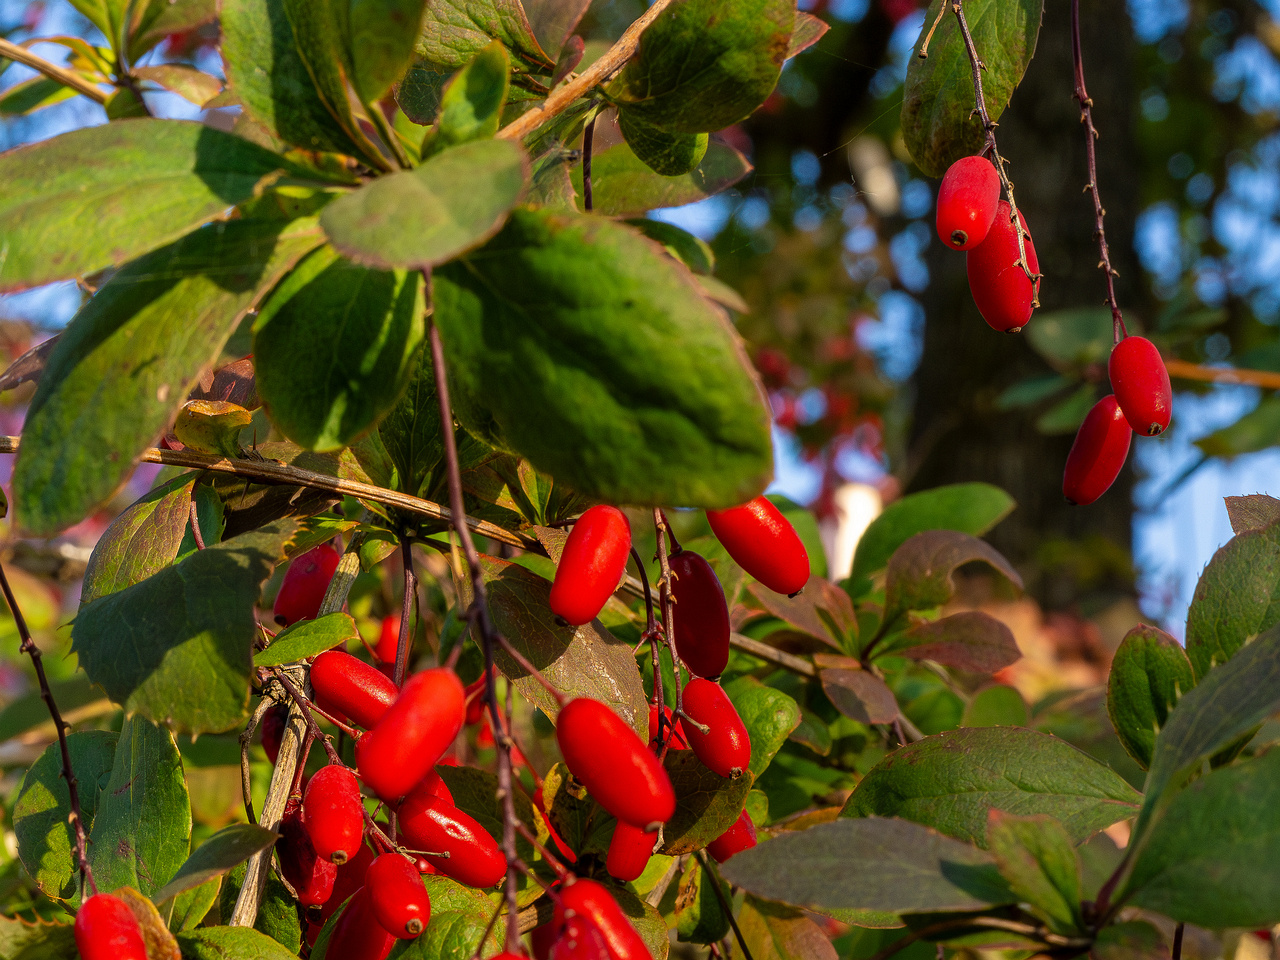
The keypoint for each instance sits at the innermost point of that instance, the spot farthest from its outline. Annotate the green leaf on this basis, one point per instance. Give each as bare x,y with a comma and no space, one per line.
107,15
1029,392
699,916
703,66
808,31
576,344
937,102
1038,859
972,508
950,781
1076,338
190,907
308,638
1211,859
32,95
278,915
859,695
919,573
459,917
581,822
623,186
668,154
187,82
775,932
1256,430
334,346
157,19
454,31
1131,940
707,804
189,630
381,35
23,940
422,217
902,867
419,93
972,641
46,842
1252,512
98,196
471,104
1066,416
1149,674
142,828
223,943
128,359
996,706
410,434
694,252
30,711
769,716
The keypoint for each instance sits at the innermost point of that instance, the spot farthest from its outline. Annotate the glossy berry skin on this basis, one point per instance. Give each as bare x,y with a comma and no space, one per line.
333,813
1141,384
304,585
701,615
389,639
350,878
578,939
676,738
594,558
613,763
346,685
726,748
741,836
273,722
106,930
1100,449
629,851
967,200
358,935
412,735
434,825
999,286
593,902
311,876
431,785
762,542
400,901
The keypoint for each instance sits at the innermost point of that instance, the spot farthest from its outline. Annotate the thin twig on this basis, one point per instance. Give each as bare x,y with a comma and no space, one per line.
1185,370
406,610
667,601
264,704
67,78
1039,933
724,903
1177,942
588,136
924,47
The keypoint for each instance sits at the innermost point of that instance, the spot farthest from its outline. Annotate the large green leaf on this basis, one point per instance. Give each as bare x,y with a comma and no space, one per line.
938,121
578,344
459,918
703,65
623,186
99,196
177,647
1237,598
46,842
1149,674
142,829
952,780
224,943
229,847
334,346
707,804
1039,861
873,864
1214,858
128,359
454,31
769,716
418,218
381,37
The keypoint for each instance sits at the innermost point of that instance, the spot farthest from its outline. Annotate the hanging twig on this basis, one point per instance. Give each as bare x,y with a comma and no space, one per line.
68,78
588,135
724,903
406,610
667,601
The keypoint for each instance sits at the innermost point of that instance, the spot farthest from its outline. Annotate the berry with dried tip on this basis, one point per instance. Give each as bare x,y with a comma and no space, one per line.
1099,451
701,615
273,723
434,825
311,876
629,851
593,902
413,734
350,878
1000,287
764,543
358,935
741,836
725,747
400,901
1141,384
348,686
333,813
594,558
304,585
967,200
107,930
614,764
577,939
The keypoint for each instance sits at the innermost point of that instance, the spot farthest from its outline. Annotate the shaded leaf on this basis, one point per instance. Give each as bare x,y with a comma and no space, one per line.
157,19
775,932
972,641
769,716
1149,673
822,610
456,30
996,706
223,943
1252,512
622,186
581,822
419,93
707,804
308,638
277,916
668,154
859,695
30,711
1066,416
919,572
1131,940
471,104
699,916
1039,861
553,20
187,82
1075,337
381,35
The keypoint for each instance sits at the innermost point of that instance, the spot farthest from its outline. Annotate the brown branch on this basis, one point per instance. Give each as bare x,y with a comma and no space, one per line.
667,601
588,139
68,78
1184,370
406,609
264,704
724,903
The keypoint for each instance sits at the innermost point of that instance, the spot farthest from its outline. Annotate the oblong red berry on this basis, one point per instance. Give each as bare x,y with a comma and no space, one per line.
431,785
593,902
1141,384
1000,288
613,763
333,813
349,879
1099,451
347,685
304,585
358,935
400,901
311,876
595,555
675,736
701,615
412,735
725,747
435,826
741,836
967,200
107,930
764,543
577,939
629,851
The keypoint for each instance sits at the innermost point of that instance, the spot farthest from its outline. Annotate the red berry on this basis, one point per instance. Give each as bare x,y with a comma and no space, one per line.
388,639
311,876
577,939
358,935
741,836
350,878
333,813
762,542
592,902
676,739
400,901
613,763
629,851
543,938
106,930
273,723
304,585
349,686
594,558
999,286
412,735
725,748
434,825
431,785
475,700
1141,384
508,955
701,615
1101,446
967,202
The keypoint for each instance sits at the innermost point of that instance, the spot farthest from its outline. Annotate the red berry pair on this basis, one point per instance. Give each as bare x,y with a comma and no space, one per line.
413,734
304,585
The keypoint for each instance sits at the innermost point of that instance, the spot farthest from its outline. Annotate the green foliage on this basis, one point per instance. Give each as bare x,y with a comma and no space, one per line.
471,103
1039,861
218,943
699,915
623,186
226,849
307,638
919,575
706,803
668,154
1149,673
456,30
769,716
